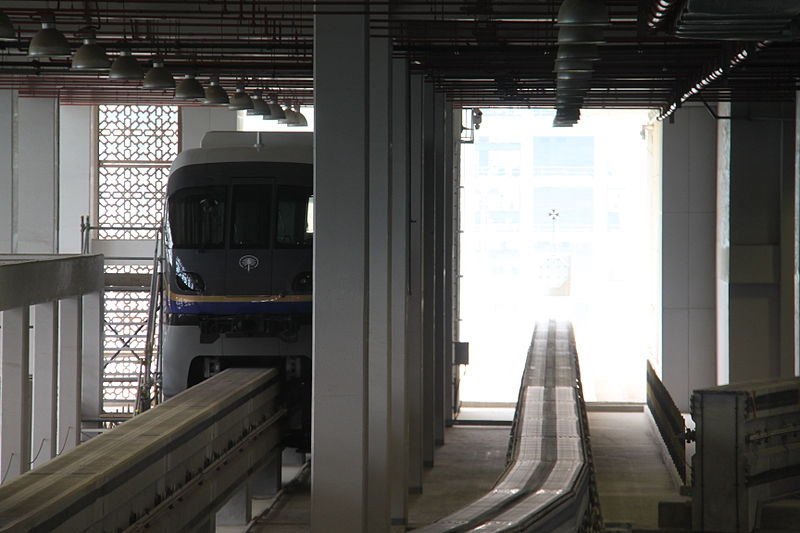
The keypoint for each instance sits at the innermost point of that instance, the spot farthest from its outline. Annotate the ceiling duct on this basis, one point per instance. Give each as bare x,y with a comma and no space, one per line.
739,20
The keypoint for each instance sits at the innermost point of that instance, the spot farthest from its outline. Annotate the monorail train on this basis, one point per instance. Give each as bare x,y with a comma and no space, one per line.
237,277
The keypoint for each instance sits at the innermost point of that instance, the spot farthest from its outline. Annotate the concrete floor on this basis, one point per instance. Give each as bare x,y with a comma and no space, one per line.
467,466
631,475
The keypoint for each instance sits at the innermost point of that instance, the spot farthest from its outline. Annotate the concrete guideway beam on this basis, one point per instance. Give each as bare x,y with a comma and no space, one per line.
168,469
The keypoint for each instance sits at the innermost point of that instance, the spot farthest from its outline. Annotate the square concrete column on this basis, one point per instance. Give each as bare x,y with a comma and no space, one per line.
379,235
70,339
688,205
761,233
414,347
7,122
15,409
266,482
429,350
440,274
36,191
341,253
452,131
45,372
238,510
92,357
399,273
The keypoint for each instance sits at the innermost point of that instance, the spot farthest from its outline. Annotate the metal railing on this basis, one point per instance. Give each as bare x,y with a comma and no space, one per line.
148,376
669,421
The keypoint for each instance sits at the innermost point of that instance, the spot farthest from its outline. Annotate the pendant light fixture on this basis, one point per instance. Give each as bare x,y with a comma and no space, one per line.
240,100
276,111
90,56
7,32
49,41
125,67
260,107
215,93
290,117
158,77
300,119
189,89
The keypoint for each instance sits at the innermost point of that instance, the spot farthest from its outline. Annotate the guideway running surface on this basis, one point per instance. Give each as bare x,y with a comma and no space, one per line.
167,469
548,484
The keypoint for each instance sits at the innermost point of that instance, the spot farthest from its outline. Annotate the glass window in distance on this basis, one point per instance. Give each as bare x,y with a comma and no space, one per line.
293,230
250,216
197,217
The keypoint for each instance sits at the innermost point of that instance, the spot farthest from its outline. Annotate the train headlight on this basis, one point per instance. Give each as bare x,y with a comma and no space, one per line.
190,281
302,282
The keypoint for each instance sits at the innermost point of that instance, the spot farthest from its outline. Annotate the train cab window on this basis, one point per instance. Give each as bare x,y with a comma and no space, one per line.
293,228
197,217
250,216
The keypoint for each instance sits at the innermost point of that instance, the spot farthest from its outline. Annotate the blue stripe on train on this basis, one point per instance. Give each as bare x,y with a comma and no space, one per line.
234,308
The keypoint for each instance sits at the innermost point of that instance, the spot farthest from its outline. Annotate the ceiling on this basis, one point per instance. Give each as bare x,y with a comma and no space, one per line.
658,53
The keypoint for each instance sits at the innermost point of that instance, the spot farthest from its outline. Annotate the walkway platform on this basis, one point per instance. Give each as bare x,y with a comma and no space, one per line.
631,475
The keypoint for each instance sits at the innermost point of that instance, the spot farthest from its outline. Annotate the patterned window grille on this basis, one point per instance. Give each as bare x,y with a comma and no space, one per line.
135,147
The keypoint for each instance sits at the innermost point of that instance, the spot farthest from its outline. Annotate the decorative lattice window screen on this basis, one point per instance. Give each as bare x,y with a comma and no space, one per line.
136,145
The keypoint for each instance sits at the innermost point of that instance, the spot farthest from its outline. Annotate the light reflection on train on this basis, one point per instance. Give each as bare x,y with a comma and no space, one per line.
238,245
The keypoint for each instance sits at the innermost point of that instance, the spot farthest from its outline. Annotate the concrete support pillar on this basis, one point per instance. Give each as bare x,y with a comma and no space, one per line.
439,275
36,168
70,340
414,327
688,340
45,372
15,409
455,267
379,235
399,272
238,510
341,252
92,357
7,122
266,482
451,144
428,274
75,174
761,231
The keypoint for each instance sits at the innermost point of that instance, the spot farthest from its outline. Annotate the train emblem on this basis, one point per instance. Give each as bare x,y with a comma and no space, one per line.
248,262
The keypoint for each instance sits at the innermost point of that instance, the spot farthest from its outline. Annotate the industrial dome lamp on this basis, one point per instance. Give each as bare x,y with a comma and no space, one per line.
189,89
7,33
90,56
215,94
301,121
125,67
158,77
583,13
48,42
240,100
290,116
275,110
260,107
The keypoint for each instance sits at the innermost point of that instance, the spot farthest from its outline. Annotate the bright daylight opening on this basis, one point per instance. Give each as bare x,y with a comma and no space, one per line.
560,223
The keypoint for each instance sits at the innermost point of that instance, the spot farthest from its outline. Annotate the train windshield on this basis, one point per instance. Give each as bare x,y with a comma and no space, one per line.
293,228
250,216
197,217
